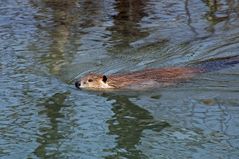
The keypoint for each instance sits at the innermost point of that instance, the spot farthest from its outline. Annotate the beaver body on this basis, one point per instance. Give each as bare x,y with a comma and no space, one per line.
151,78
140,79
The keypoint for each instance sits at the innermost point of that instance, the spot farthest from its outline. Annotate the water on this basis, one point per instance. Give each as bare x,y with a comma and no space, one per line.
46,44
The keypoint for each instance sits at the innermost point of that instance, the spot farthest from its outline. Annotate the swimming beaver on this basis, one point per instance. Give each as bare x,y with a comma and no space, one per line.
155,77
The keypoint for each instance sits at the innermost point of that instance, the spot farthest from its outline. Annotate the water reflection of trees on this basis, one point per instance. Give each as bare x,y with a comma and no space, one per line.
50,134
218,11
221,10
128,123
214,7
63,27
126,28
56,18
189,21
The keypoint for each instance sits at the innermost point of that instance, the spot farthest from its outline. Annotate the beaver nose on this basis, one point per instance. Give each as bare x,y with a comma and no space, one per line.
77,84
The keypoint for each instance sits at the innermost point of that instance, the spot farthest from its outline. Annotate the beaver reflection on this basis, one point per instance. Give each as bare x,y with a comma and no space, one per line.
128,123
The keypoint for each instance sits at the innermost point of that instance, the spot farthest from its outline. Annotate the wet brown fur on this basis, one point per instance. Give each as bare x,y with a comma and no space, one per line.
143,78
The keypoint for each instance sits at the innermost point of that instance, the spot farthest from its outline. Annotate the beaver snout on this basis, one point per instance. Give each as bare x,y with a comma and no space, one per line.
77,84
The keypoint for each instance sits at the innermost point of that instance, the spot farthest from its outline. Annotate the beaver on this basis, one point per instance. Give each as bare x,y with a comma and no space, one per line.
154,77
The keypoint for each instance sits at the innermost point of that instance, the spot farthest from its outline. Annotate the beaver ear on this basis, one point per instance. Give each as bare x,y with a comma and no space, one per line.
104,78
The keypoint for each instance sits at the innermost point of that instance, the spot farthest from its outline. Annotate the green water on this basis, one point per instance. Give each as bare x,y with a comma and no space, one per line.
46,45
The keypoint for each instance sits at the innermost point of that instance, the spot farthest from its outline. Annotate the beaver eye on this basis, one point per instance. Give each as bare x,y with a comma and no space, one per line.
90,80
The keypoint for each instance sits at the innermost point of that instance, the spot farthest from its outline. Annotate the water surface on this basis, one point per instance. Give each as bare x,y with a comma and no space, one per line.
46,44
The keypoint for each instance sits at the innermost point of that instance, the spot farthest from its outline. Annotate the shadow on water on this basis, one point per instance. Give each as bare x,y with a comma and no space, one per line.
49,135
127,124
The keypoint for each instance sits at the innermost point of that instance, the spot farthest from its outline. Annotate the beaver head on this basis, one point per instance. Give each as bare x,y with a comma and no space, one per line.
93,81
